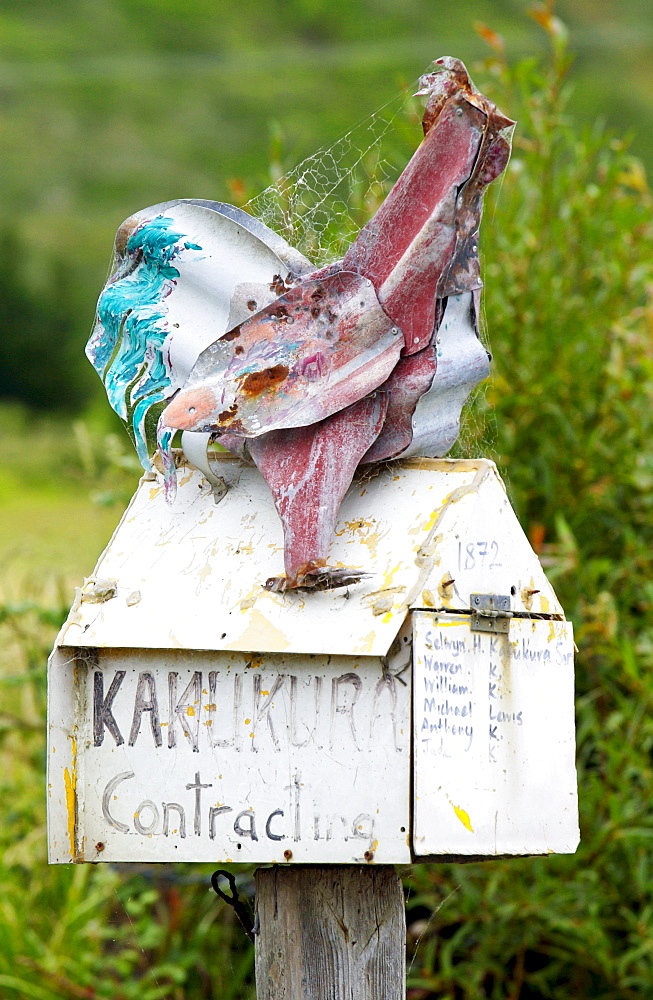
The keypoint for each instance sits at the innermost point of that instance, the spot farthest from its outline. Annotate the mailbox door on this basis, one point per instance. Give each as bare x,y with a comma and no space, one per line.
493,738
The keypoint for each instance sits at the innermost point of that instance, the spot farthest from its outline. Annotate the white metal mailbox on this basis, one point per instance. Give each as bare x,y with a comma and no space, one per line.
425,712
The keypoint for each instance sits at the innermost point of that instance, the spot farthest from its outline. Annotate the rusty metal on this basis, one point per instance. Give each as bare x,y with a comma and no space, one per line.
312,372
318,348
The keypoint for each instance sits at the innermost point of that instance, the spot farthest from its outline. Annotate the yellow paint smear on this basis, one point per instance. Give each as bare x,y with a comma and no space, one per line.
463,816
388,577
70,783
367,643
427,525
250,600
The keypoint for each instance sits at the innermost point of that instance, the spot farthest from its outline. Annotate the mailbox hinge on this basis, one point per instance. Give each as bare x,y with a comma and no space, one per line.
490,613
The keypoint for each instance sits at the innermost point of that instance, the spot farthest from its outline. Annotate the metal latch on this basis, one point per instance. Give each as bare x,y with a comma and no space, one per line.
490,612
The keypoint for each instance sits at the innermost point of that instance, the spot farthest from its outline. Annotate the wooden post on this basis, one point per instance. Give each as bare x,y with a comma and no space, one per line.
330,932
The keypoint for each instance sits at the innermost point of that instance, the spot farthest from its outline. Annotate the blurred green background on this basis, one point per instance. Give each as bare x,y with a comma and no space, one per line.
107,106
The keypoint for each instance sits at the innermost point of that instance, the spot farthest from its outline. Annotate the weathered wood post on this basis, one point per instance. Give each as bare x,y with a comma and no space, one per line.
330,931
404,691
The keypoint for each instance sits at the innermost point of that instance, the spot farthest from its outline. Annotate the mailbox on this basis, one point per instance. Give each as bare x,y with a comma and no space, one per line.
426,712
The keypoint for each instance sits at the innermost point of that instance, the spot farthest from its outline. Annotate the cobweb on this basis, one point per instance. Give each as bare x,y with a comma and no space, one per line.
321,204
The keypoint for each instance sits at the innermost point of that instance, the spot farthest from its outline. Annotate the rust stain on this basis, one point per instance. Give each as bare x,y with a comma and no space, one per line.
124,232
257,382
445,589
353,526
229,414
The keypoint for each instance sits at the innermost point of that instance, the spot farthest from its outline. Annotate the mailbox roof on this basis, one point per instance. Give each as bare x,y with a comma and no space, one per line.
429,532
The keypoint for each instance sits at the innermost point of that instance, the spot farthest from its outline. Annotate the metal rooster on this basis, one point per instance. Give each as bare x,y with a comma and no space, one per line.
311,373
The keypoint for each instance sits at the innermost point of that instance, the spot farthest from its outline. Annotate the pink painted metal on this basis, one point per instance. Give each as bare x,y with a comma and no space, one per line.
309,470
407,245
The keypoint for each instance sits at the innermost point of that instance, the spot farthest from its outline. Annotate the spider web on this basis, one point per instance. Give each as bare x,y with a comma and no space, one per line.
321,204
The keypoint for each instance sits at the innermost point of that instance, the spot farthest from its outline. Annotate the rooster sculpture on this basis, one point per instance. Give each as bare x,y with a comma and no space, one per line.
214,325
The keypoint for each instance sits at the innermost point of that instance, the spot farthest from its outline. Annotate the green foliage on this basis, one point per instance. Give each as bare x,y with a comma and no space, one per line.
109,106
92,932
569,273
568,243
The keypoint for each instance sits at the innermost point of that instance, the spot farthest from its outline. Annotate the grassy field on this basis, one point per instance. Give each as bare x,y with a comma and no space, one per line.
568,415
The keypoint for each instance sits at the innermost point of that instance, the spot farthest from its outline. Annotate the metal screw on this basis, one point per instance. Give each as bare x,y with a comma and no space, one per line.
369,855
287,855
99,846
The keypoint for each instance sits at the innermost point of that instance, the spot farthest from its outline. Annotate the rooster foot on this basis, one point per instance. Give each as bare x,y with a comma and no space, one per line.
316,577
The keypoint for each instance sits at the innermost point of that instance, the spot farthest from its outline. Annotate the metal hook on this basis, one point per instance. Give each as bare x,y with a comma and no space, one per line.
241,910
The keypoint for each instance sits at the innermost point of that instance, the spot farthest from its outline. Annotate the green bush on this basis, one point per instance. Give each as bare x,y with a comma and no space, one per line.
568,243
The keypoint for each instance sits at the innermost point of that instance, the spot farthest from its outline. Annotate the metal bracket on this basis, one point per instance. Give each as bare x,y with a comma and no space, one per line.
490,613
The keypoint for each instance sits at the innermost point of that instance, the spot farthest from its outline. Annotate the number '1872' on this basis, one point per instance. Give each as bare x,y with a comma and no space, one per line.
473,555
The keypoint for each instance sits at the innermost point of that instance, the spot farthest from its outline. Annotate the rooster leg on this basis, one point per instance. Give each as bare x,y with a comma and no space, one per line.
309,470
